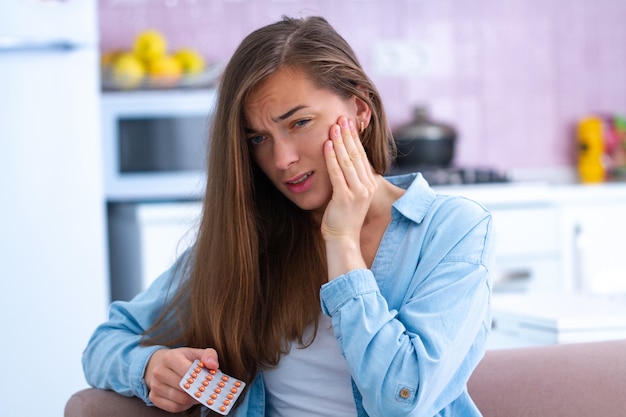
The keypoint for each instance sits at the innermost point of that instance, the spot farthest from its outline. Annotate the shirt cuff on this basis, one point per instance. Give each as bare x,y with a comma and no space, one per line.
336,293
137,372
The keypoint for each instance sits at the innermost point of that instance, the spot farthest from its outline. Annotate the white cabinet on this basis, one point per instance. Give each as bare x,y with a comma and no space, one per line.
560,262
556,237
145,239
593,238
527,248
526,234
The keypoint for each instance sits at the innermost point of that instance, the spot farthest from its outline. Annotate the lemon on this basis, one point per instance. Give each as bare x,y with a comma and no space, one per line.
165,70
108,58
150,45
127,71
190,60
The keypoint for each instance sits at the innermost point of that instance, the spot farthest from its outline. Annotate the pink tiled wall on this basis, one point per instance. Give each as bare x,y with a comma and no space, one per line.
512,75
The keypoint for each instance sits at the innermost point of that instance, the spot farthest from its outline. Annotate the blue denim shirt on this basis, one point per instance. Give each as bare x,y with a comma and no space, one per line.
412,328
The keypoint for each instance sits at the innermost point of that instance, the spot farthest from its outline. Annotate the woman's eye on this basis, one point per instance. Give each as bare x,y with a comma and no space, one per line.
255,140
301,123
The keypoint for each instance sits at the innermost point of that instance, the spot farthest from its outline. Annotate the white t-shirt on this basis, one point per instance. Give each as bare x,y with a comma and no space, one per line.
311,382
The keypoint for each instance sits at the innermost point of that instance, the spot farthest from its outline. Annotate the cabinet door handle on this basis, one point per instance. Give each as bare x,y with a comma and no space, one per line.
579,245
516,275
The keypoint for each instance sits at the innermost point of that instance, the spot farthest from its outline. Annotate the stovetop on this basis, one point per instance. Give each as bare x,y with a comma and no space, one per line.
453,175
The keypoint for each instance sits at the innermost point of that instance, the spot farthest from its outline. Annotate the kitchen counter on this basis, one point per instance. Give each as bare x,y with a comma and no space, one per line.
534,192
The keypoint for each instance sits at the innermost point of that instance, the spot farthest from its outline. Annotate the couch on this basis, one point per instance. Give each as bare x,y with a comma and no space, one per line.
572,380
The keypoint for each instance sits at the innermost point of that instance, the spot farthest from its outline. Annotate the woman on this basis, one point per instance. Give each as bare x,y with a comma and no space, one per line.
328,288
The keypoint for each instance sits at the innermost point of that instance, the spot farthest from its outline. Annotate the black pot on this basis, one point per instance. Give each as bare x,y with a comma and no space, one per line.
424,142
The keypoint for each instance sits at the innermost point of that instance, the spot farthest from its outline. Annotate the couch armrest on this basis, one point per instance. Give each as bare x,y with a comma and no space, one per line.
571,380
92,402
576,380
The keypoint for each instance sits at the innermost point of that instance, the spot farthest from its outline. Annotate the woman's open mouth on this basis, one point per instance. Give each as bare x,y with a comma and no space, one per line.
300,184
301,179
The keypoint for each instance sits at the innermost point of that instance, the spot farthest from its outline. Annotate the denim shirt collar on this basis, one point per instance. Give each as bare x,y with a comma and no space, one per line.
414,204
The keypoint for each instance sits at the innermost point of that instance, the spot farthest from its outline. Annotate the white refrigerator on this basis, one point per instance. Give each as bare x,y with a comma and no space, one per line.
53,271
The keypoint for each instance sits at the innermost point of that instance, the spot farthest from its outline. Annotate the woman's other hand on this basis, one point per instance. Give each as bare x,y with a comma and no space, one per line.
166,368
354,185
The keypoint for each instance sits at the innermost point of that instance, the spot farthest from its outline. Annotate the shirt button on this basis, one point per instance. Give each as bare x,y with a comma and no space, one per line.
405,393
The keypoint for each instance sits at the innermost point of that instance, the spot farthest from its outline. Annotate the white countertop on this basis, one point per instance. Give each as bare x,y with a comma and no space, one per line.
530,319
562,311
537,193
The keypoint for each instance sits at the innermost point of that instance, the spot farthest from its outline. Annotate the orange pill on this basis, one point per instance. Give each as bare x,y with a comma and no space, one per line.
212,371
210,402
209,377
198,394
205,383
197,369
194,375
233,390
187,385
214,396
221,384
190,380
230,396
237,384
201,388
226,402
201,365
222,408
225,378
217,390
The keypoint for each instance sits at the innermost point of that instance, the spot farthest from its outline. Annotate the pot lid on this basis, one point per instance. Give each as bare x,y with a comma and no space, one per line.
423,127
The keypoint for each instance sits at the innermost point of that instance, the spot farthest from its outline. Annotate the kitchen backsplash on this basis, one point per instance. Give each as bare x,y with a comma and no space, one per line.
513,76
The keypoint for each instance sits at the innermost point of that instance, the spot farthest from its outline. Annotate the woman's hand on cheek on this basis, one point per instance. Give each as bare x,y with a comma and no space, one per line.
354,185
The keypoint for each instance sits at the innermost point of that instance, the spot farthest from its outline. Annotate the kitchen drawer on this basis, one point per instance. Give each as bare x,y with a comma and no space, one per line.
527,273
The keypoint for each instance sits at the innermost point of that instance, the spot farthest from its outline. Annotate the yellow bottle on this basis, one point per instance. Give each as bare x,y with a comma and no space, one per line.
590,150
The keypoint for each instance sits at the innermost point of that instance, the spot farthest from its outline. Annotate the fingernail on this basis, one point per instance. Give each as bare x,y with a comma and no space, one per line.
351,124
344,122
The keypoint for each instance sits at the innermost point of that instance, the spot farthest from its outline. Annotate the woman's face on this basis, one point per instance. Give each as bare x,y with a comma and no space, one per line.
288,122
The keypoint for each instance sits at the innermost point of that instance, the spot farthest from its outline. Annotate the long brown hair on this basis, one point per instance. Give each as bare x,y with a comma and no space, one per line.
257,266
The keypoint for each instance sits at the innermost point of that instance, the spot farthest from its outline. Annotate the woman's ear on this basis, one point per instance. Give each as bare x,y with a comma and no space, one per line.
363,113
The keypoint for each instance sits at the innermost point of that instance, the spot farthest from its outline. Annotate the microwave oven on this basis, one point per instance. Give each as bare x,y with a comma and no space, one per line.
155,144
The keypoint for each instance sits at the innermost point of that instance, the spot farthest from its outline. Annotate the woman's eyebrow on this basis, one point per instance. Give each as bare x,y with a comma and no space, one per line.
289,113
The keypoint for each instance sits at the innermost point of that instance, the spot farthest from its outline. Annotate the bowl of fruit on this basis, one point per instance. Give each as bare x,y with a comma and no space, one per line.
149,64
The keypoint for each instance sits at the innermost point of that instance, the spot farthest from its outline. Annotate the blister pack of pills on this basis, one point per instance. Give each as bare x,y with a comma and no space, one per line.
211,387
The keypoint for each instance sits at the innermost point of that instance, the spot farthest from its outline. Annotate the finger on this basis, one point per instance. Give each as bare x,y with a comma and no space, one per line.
357,152
181,363
174,396
167,394
352,157
172,406
340,166
174,366
366,172
342,141
350,138
165,378
209,358
332,164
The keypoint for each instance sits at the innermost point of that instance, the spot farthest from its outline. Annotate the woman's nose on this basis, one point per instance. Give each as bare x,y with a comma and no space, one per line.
285,152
